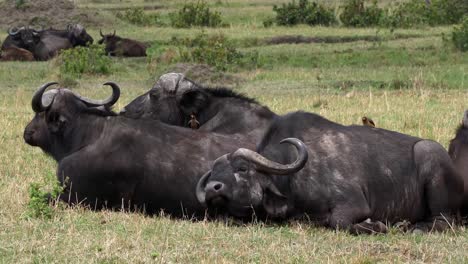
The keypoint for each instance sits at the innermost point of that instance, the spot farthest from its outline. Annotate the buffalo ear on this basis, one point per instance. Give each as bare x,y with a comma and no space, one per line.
274,202
193,101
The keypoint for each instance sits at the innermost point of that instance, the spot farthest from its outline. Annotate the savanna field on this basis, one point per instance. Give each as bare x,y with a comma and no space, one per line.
410,80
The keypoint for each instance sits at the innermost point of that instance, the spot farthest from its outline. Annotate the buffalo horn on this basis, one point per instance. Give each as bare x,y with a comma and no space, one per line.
113,35
266,165
106,102
200,191
100,32
36,102
13,31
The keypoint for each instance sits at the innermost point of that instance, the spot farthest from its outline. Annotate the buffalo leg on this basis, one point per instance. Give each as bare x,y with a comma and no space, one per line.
352,214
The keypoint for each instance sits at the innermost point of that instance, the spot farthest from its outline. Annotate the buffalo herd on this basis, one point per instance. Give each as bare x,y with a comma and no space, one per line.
30,44
197,152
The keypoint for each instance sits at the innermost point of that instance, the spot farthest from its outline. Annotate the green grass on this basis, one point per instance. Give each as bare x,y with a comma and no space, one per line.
416,85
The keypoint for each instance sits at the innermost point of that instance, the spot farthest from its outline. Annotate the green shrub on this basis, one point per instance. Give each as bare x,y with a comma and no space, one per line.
417,12
195,14
460,35
137,16
216,51
21,4
357,14
303,12
84,60
38,204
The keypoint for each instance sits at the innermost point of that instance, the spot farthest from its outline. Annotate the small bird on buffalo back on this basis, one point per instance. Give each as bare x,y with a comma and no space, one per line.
367,121
193,123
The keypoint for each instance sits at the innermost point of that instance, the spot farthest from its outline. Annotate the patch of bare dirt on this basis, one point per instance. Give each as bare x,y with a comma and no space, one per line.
297,39
46,13
206,75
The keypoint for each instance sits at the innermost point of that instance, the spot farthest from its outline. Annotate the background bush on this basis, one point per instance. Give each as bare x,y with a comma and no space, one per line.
84,60
357,14
303,12
460,35
216,51
417,12
137,16
195,14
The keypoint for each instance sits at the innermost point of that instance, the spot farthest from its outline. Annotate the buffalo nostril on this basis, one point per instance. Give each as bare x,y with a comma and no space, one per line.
218,186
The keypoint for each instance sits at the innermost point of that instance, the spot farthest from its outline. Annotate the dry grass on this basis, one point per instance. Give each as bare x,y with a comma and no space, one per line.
423,94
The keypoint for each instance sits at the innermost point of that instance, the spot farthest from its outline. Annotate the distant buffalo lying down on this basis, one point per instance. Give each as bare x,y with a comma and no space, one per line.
176,100
53,40
45,44
108,161
15,54
122,47
458,151
349,177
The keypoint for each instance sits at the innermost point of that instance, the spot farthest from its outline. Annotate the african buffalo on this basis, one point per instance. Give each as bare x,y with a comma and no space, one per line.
109,161
348,177
23,37
458,151
15,54
122,47
53,40
176,100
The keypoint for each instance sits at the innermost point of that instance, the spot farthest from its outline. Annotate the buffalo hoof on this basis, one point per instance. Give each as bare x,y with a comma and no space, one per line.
437,224
403,226
369,227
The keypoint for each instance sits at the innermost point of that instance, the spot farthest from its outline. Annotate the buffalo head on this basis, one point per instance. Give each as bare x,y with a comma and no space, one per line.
242,181
56,113
459,144
36,133
24,37
107,38
78,35
172,100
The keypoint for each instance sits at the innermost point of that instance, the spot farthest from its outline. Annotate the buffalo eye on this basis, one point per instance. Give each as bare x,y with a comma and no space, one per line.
242,169
56,122
53,117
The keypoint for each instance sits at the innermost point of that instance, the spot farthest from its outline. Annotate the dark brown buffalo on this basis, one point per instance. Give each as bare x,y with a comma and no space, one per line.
458,151
16,54
122,47
347,177
110,161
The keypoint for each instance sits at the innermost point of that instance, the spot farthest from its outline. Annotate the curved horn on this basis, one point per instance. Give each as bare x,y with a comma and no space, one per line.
100,32
113,33
200,191
11,31
36,102
106,102
269,166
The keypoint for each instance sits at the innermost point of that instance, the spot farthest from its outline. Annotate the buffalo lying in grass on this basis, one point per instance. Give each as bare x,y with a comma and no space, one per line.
349,177
52,41
16,54
109,161
176,100
122,47
458,151
44,44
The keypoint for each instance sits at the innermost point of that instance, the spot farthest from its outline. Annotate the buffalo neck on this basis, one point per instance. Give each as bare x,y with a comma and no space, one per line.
86,130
